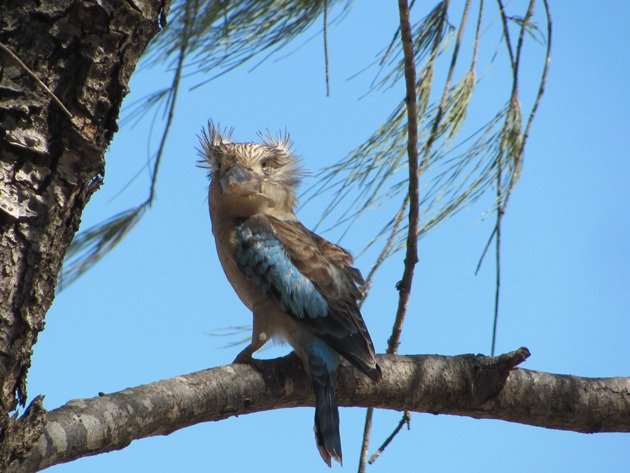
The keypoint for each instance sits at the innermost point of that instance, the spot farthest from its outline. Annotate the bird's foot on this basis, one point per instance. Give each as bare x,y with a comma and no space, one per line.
245,357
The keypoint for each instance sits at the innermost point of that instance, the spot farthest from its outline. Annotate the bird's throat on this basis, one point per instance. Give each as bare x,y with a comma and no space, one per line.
241,205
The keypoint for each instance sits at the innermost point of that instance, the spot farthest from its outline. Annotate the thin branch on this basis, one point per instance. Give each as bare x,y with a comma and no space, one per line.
497,242
473,62
485,249
412,236
503,196
501,204
190,12
499,201
469,385
506,35
43,86
415,169
543,78
447,88
365,443
385,251
411,257
406,419
521,35
388,50
541,90
458,179
326,63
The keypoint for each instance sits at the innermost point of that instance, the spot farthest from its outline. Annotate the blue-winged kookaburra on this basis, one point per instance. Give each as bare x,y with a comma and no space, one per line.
300,288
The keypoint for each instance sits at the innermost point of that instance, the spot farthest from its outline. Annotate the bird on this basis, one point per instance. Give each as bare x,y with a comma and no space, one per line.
301,288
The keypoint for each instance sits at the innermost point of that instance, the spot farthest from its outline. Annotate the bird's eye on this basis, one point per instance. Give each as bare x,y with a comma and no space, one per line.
265,164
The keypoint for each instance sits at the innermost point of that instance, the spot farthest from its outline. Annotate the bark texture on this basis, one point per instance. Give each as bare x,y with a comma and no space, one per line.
468,385
51,158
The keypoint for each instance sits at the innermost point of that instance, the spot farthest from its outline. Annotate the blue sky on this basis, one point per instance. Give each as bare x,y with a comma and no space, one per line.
147,310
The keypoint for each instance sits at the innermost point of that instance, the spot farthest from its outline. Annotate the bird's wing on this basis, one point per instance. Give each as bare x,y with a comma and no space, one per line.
311,279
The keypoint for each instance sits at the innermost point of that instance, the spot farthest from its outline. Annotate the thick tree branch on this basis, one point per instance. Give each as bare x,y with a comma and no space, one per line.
469,385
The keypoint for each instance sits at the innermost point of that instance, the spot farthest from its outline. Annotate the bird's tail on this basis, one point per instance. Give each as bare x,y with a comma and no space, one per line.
326,411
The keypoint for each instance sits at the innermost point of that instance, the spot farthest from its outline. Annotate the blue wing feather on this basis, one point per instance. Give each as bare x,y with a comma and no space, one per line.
261,257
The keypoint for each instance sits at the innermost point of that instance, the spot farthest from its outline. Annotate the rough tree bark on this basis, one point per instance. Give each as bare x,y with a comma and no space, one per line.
51,159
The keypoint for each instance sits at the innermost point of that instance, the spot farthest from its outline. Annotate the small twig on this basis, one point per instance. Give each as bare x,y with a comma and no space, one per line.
543,78
497,287
506,35
447,85
501,204
389,48
172,99
385,251
411,257
504,197
512,359
473,62
472,67
365,444
326,63
406,419
521,35
485,250
412,236
541,87
28,70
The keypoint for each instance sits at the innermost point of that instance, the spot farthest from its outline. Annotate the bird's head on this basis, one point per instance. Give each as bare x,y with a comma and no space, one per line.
250,178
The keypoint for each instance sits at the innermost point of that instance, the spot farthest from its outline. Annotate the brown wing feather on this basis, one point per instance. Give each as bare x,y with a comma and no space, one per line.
330,269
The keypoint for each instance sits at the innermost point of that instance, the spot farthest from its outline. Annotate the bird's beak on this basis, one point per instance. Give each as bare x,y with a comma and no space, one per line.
239,181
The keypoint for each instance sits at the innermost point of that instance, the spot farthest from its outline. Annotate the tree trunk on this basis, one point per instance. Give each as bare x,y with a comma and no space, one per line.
64,69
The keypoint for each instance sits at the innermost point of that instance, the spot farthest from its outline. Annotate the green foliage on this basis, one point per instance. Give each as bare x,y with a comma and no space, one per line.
90,245
225,34
214,37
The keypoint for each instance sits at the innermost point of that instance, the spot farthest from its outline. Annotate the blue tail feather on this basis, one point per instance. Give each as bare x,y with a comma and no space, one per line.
326,410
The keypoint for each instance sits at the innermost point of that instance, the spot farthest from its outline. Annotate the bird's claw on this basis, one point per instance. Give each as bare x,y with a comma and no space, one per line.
244,358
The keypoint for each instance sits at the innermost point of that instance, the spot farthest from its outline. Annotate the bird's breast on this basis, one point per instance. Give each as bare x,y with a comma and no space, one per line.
225,239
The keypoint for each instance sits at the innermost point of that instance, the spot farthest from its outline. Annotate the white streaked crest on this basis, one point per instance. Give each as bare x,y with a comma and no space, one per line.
280,141
217,136
212,137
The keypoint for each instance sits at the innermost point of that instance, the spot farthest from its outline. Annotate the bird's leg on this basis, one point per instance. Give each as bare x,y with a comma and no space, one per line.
245,356
259,338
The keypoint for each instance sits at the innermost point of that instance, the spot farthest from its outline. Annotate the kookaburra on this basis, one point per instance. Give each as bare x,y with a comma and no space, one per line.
300,288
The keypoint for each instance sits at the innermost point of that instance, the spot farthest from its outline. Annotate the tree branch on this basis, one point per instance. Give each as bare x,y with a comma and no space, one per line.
477,386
